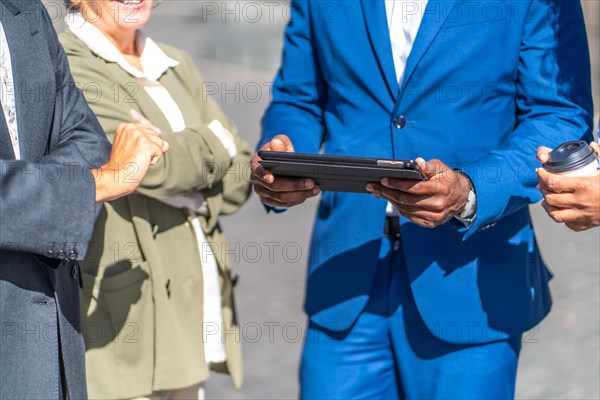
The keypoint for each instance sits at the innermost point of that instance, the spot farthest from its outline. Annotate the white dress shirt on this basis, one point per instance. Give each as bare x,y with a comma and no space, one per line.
7,94
404,19
154,64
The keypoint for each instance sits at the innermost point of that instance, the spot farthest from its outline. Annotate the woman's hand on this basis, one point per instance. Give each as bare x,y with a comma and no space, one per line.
140,119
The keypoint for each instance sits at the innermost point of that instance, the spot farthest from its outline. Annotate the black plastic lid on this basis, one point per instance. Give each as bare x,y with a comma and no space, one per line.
570,156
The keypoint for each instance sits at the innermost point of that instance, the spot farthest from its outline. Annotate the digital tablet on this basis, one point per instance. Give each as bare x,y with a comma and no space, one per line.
338,173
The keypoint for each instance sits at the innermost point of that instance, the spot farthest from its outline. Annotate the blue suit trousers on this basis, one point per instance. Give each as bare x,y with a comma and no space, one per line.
390,354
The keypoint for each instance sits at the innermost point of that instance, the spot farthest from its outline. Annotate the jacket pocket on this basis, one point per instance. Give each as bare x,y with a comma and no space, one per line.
115,283
115,308
118,331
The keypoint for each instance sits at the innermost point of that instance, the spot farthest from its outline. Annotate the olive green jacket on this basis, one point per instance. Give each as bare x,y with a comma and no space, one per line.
142,278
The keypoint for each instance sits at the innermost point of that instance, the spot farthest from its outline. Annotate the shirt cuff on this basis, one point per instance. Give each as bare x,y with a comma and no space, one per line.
224,136
467,216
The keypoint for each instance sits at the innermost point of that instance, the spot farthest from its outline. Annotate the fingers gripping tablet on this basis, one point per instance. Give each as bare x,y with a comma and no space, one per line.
338,173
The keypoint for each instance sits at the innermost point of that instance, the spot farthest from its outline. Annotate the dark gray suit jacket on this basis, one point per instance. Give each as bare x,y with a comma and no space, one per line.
47,212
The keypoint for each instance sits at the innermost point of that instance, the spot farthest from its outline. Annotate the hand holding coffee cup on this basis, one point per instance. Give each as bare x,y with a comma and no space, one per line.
570,184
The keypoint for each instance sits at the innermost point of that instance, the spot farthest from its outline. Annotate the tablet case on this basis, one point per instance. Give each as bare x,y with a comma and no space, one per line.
338,173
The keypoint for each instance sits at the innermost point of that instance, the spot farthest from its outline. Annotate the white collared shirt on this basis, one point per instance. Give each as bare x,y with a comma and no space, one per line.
7,93
154,64
404,19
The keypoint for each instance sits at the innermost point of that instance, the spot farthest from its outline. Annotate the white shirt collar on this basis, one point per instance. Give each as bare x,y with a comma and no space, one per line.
154,61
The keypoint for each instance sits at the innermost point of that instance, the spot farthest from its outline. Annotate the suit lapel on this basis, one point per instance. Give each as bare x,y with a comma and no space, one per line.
436,13
376,21
33,76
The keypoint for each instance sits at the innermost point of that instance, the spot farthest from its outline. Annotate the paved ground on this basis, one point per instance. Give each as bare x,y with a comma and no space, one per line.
561,357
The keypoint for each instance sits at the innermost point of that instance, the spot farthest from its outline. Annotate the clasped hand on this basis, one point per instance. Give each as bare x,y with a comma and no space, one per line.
136,146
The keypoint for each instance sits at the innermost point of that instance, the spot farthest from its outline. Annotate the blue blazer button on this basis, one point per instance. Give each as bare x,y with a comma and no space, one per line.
400,122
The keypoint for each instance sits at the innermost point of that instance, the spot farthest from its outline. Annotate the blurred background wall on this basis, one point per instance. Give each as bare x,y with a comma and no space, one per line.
236,46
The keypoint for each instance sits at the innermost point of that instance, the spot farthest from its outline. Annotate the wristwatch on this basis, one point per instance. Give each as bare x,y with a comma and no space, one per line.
467,216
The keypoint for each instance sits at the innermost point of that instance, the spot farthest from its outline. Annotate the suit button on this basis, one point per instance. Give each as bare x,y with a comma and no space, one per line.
400,122
62,255
73,255
51,252
75,272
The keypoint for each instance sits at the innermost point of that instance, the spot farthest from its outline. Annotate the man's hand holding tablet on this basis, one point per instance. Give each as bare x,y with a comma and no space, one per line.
281,192
428,193
428,203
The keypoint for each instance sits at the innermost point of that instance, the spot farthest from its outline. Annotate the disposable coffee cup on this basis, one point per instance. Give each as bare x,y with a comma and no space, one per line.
574,158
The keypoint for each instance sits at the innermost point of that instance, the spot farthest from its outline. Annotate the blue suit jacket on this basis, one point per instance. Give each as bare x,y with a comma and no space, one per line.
485,85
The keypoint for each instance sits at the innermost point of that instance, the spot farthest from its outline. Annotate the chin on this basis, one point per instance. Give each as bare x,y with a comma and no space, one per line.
135,16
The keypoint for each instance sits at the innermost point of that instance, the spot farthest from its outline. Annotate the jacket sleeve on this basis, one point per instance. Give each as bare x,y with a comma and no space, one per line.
554,105
196,159
299,91
48,207
236,182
